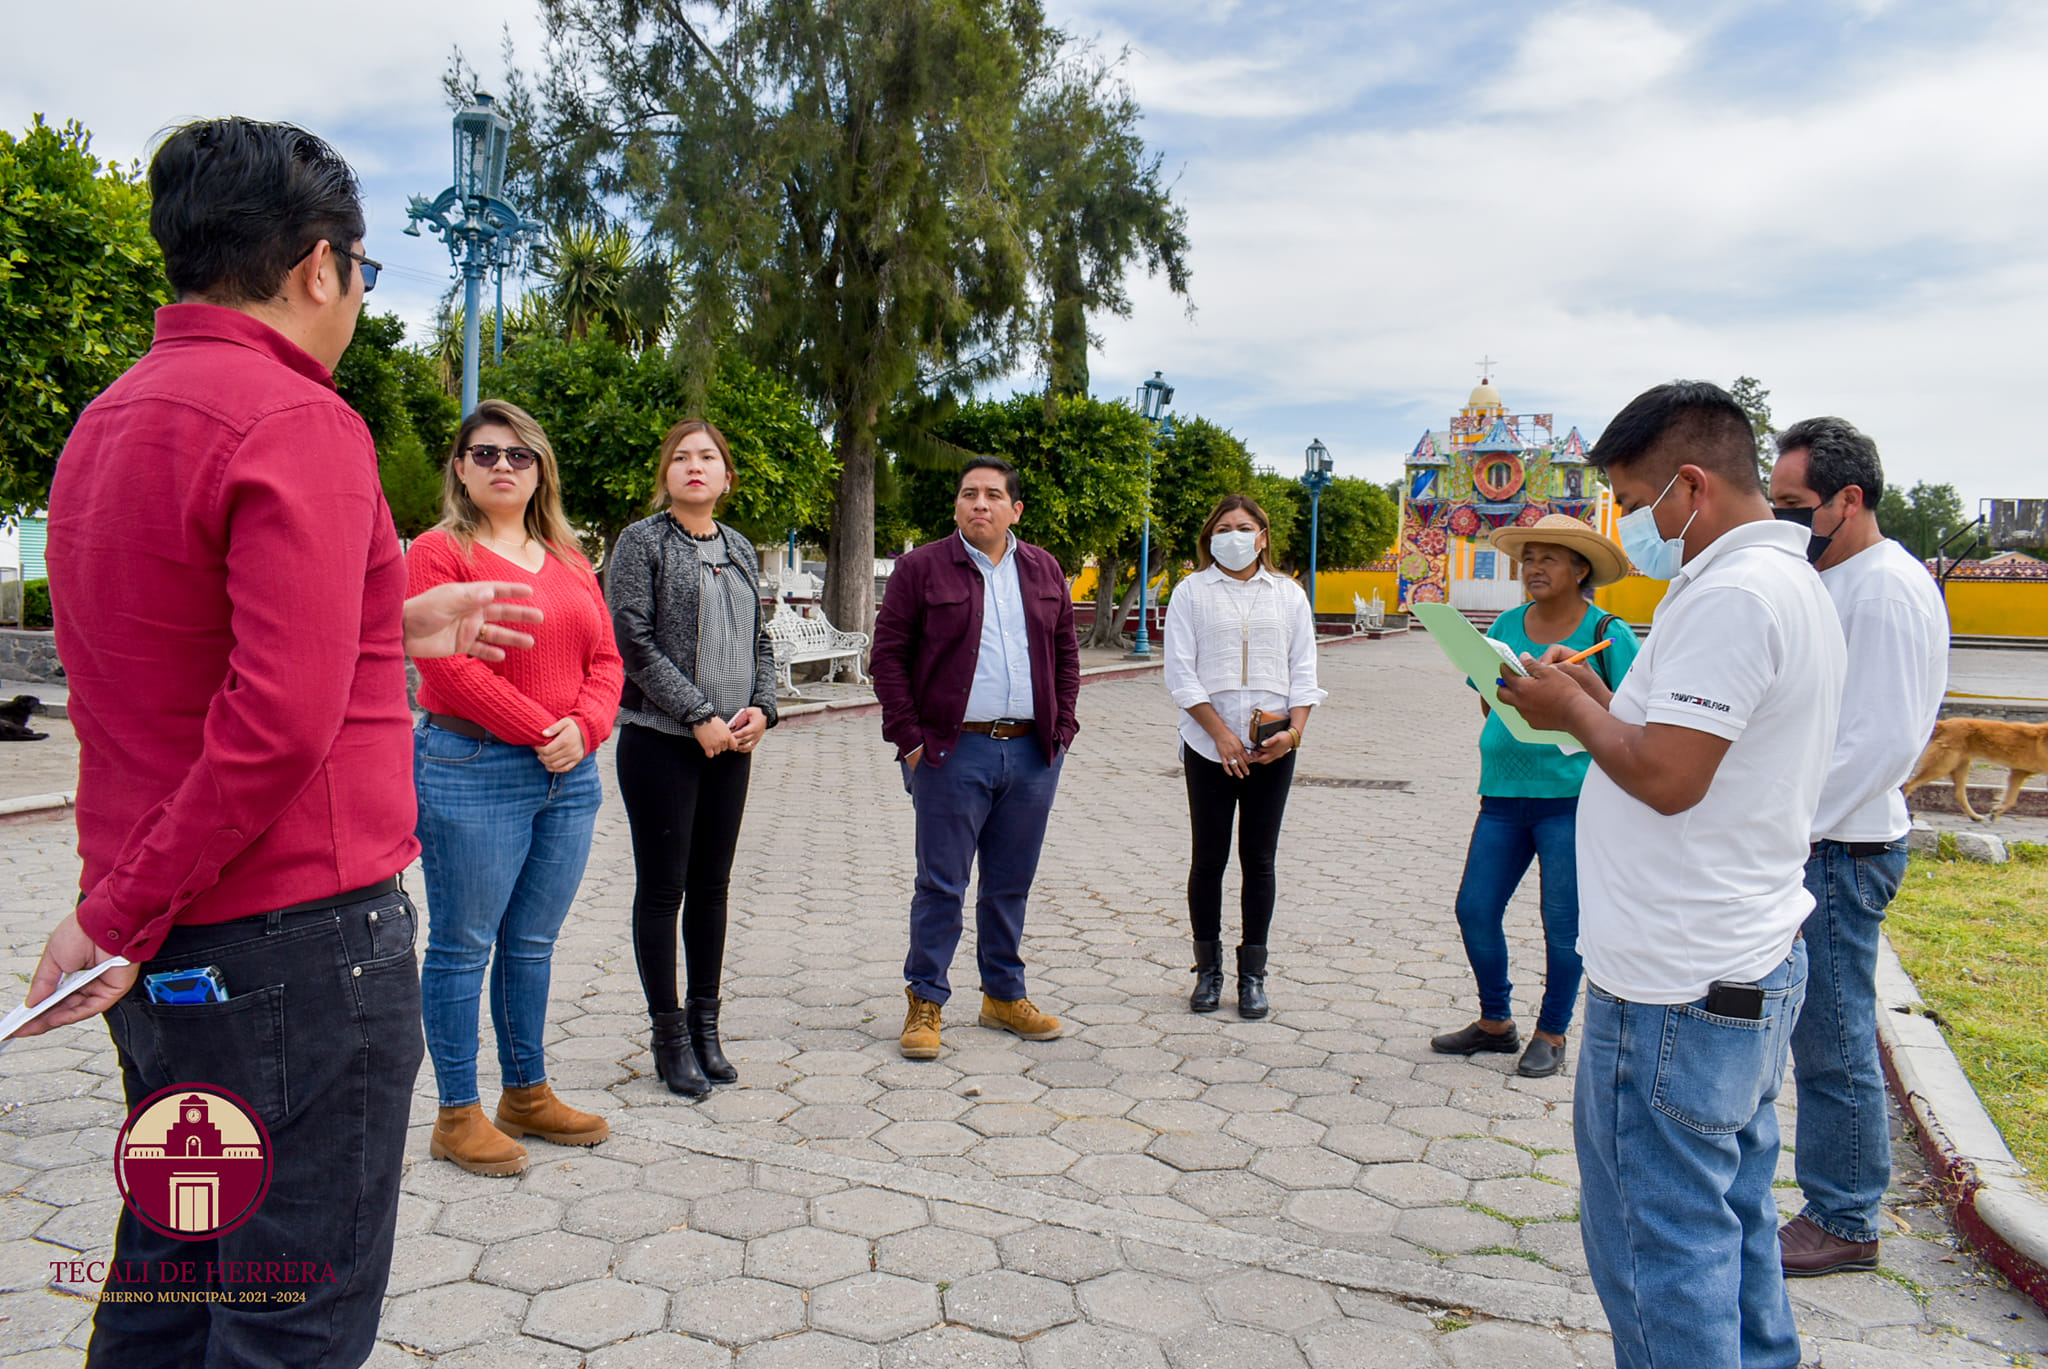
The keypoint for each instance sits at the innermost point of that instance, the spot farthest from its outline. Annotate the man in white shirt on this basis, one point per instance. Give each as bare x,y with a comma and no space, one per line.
1828,479
1692,836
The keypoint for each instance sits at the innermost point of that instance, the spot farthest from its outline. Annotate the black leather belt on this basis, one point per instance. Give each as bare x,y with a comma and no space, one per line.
1003,729
1860,849
387,885
461,727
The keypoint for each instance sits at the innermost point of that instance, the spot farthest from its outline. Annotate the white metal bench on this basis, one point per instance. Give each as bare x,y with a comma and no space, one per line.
801,641
1368,617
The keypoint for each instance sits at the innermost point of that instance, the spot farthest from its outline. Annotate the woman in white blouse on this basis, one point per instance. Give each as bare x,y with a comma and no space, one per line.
1240,639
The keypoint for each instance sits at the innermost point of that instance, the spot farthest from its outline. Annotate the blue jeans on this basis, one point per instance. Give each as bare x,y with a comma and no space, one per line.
1844,1147
503,843
1677,1142
989,800
1508,835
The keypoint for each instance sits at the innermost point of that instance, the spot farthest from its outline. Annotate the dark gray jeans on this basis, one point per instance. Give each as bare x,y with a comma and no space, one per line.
321,1036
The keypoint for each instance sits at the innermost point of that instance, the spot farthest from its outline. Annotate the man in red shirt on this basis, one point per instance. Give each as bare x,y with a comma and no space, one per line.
229,596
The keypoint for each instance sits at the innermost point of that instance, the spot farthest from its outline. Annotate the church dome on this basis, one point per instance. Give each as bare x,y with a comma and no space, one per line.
1484,396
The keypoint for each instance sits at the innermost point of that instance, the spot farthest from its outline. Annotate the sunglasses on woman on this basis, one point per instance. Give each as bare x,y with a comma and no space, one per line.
486,455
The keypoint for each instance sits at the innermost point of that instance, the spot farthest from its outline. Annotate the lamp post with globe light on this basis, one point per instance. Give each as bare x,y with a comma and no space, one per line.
1317,479
473,219
1153,398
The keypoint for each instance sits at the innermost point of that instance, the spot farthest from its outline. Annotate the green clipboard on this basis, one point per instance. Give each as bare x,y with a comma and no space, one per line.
1469,650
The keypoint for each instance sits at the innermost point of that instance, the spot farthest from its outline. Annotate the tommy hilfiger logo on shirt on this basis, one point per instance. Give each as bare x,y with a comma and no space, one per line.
1696,700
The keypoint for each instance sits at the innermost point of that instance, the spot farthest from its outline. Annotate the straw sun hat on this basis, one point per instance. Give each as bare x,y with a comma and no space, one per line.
1609,561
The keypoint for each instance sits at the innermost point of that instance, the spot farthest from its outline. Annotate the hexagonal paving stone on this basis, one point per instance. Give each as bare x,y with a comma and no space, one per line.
1526,1198
625,1215
676,1260
1237,1347
1055,1252
928,1138
1201,1151
1266,1129
1124,1175
1011,1119
424,1261
1349,1344
953,1347
1375,1143
875,1307
936,1254
662,1350
505,1352
842,1090
737,1311
1005,1303
451,1316
1341,1212
835,1122
811,1350
1557,1244
587,1315
1229,1193
922,1105
1273,1302
1093,1347
746,1213
578,1176
550,1259
1412,1185
1478,1158
1304,1167
1499,1344
1143,1302
1452,1230
805,1257
1006,1155
870,1212
500,1217
1438,1121
694,1176
1102,1135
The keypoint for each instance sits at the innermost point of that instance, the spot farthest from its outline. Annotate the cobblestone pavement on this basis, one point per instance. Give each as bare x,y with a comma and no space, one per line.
1154,1189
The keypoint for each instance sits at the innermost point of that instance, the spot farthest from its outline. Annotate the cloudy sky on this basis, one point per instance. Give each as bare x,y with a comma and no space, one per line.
1844,198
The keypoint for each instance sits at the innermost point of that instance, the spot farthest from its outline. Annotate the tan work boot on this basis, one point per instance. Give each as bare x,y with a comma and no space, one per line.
920,1027
1020,1017
537,1112
463,1136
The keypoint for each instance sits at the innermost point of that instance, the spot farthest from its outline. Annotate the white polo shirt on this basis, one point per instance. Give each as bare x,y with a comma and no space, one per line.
1897,628
1745,646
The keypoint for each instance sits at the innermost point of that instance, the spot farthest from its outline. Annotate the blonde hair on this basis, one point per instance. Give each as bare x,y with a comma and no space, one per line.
672,443
545,522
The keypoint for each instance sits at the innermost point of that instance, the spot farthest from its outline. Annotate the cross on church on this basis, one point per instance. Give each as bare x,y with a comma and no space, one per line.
1486,365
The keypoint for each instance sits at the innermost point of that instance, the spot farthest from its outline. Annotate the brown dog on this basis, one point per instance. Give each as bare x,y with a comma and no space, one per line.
1959,741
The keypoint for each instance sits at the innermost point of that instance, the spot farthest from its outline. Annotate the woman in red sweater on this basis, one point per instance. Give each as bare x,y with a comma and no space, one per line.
508,786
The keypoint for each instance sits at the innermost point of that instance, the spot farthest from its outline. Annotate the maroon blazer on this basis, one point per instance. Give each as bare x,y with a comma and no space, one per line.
928,639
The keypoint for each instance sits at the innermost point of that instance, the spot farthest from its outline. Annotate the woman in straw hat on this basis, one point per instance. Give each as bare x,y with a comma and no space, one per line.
1529,793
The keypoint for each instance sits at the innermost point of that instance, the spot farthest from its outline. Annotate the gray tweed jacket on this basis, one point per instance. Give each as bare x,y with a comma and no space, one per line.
651,583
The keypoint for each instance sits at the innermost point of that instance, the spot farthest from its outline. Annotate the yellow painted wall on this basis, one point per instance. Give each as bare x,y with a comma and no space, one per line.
1998,608
1633,597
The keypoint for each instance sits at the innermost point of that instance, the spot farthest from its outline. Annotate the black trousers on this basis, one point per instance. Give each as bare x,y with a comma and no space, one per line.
320,1035
1255,803
685,810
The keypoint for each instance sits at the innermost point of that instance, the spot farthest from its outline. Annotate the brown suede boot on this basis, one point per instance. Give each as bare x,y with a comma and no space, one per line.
463,1136
1019,1015
537,1112
920,1027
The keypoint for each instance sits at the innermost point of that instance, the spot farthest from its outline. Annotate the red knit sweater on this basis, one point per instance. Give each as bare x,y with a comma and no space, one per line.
571,671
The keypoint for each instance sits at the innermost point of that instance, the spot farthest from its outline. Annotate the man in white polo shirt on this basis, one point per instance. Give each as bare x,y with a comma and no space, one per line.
1693,828
1828,479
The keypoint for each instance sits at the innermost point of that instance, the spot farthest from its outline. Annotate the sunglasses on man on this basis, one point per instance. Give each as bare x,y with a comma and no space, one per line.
370,268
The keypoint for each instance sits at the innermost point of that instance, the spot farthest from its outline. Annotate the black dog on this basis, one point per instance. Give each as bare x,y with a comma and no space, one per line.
14,715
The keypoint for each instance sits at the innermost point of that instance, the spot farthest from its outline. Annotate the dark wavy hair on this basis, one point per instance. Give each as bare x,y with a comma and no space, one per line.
235,204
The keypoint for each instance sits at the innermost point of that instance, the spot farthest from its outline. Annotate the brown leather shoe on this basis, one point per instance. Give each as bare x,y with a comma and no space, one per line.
1807,1251
920,1027
463,1137
537,1112
1019,1016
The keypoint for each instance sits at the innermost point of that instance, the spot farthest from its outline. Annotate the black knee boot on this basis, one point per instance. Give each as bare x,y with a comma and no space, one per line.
674,1060
1251,982
703,1015
1208,994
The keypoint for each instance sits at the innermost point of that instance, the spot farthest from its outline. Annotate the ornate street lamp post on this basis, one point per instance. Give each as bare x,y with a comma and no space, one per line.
472,218
1153,398
1317,479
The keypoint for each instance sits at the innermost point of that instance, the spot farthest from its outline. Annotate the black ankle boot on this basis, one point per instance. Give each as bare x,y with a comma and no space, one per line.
703,1016
1251,982
1208,994
674,1061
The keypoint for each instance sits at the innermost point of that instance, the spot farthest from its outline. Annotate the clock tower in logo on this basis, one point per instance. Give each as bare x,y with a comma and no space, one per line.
193,1161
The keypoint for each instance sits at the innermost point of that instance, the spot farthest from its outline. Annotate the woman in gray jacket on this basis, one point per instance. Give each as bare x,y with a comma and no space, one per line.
685,596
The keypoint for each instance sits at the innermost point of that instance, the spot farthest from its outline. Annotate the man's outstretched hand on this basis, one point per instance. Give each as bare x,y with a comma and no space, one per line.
468,618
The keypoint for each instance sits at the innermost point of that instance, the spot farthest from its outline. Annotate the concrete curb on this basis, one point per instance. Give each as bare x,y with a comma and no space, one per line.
1980,1181
37,803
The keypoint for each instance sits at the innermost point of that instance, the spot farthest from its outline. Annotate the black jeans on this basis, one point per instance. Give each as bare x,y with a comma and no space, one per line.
1256,802
320,1035
685,810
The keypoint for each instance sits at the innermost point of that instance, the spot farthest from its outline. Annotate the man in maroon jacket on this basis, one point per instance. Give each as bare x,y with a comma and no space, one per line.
977,669
229,595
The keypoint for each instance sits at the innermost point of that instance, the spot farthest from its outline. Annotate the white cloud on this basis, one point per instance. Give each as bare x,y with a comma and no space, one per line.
1581,54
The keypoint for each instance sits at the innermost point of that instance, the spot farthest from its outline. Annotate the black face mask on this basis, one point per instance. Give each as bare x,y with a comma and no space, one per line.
1816,544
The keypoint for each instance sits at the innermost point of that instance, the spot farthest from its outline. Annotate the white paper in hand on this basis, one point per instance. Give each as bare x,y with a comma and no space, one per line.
68,985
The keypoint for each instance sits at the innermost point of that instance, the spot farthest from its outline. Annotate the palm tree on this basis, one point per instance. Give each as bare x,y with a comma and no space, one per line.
587,266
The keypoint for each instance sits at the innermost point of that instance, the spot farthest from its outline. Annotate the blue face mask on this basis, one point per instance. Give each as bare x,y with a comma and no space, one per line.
1654,554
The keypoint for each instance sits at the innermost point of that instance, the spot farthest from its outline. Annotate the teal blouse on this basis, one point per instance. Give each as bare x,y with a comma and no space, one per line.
1517,770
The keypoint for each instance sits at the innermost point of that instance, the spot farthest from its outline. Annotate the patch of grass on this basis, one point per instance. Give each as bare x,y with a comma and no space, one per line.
1530,1256
1975,939
1920,1293
1448,1322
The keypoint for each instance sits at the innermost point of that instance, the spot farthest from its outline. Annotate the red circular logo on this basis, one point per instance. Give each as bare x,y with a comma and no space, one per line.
193,1162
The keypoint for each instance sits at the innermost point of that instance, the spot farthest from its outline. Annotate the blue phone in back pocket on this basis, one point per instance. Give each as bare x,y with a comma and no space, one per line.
201,985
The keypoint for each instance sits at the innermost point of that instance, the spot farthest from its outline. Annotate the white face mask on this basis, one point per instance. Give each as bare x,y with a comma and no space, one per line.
1234,550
